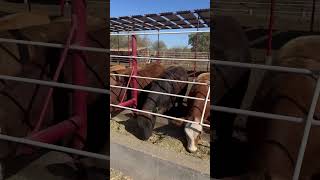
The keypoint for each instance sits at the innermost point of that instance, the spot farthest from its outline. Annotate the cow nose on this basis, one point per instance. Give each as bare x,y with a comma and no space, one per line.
191,146
144,128
192,132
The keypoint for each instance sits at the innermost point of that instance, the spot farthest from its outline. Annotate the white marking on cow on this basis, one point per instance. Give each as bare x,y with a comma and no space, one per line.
192,132
255,80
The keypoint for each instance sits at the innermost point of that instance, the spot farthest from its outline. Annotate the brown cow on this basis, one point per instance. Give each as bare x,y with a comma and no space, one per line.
153,70
159,103
276,142
195,109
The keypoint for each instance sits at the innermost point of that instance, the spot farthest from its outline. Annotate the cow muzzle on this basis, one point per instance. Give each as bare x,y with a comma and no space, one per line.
193,132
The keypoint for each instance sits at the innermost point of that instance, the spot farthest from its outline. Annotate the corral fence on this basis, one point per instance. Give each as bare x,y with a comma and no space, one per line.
127,26
273,12
77,123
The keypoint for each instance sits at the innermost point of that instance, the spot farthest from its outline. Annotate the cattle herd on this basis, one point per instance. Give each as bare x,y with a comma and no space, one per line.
160,103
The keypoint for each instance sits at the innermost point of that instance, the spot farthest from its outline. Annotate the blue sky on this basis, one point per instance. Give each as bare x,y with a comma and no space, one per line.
140,7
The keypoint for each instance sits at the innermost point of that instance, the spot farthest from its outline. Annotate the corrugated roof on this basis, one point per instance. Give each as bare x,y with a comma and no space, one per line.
168,20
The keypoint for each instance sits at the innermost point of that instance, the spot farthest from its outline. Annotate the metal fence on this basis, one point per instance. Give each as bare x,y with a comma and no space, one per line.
66,47
135,58
309,121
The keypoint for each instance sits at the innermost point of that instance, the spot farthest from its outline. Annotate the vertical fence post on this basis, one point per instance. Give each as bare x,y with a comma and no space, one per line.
134,69
205,106
307,130
79,98
312,15
158,48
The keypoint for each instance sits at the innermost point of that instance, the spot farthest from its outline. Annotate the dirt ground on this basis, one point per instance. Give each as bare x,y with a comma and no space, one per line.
118,175
164,136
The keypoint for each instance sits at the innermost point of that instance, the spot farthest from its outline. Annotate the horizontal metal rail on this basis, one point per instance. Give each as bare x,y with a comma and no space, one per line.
263,67
166,59
159,79
262,114
256,114
53,147
156,33
160,115
54,45
233,64
54,84
155,92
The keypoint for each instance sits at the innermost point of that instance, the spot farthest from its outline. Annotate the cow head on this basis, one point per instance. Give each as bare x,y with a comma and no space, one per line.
193,133
145,125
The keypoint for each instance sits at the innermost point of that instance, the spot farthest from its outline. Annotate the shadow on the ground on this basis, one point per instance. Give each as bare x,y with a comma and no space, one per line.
170,129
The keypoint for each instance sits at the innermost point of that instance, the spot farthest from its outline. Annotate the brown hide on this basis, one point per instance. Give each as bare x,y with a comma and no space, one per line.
199,91
229,43
291,95
195,110
150,70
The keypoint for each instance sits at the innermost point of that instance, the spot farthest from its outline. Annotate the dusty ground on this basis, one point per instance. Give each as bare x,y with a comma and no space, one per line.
164,136
118,175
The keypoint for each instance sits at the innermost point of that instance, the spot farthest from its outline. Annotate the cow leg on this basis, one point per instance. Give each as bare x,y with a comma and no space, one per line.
179,107
182,93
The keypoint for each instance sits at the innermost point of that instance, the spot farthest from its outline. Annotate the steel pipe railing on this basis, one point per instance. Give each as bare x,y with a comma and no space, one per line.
155,92
306,132
54,84
263,67
53,147
160,115
159,79
54,45
160,32
158,58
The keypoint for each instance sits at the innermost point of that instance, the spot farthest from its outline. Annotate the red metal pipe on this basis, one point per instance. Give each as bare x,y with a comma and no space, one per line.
62,3
134,82
55,77
125,91
56,132
128,103
79,98
52,134
129,49
271,19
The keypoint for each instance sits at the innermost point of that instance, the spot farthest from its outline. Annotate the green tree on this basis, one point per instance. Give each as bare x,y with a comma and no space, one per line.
162,45
200,43
122,41
118,41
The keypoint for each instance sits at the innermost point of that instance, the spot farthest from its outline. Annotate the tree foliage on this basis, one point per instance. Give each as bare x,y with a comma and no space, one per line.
122,41
162,45
202,44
